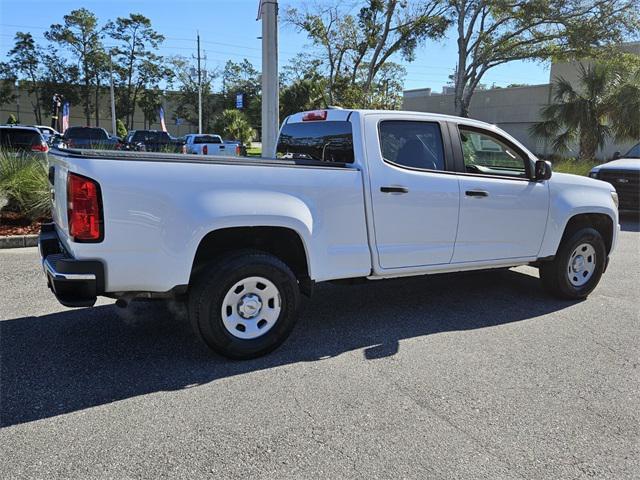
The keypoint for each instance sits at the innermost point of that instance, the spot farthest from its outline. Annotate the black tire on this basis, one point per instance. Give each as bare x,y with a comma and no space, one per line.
555,274
208,291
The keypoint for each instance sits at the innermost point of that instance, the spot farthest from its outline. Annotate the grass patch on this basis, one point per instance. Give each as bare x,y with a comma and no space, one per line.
24,185
576,167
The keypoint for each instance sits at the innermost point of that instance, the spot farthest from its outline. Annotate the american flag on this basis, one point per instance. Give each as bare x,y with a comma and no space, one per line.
65,115
162,124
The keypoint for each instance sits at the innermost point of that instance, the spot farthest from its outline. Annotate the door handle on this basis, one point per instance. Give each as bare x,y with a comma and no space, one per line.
394,189
476,193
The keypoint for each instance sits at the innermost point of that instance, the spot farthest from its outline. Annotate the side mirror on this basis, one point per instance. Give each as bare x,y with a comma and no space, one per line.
616,155
543,170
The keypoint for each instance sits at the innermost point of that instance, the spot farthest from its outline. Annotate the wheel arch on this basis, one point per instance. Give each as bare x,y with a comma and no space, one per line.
282,242
601,222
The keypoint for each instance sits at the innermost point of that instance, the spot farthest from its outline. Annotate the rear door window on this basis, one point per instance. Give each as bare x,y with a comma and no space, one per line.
327,141
412,144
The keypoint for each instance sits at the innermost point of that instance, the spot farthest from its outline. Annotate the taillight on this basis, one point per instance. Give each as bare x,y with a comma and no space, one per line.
205,150
40,147
315,115
238,150
84,210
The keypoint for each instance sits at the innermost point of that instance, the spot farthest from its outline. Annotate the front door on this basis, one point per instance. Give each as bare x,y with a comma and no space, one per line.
503,213
415,201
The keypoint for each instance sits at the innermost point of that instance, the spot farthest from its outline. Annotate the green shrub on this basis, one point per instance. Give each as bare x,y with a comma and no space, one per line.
24,184
574,166
121,129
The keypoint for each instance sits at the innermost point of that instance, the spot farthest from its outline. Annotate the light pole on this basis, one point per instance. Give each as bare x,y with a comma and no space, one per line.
268,13
199,89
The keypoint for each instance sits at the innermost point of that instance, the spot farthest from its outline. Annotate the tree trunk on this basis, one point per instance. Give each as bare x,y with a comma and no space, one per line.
588,147
460,79
97,101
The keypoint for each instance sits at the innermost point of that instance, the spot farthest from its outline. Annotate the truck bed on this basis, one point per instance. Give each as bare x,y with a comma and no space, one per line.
183,158
157,208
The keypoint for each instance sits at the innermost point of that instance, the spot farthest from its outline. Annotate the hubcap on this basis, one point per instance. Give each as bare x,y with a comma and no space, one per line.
582,264
251,308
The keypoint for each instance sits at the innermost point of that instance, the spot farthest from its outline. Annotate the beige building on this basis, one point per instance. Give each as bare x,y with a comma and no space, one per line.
23,109
514,110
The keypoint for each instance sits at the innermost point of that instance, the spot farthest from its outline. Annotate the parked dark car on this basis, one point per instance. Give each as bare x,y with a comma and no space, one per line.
89,137
18,140
152,141
624,174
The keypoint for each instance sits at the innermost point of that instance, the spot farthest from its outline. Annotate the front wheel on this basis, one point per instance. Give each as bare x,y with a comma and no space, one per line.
577,267
245,305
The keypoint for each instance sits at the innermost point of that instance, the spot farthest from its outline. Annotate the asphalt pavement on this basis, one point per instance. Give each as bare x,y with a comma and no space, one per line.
462,376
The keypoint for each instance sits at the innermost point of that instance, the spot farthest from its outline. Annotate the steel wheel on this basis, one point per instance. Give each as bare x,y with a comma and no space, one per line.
582,264
251,308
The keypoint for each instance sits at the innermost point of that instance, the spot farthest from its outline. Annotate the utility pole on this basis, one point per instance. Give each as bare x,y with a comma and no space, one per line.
199,89
114,128
268,13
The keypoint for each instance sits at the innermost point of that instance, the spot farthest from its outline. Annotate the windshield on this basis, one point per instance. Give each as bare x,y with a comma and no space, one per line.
634,152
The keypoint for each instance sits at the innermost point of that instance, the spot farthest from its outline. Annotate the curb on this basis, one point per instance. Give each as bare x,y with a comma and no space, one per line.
19,241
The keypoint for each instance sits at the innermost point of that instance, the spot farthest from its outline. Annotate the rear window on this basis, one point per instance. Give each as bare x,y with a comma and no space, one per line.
151,137
18,137
326,141
207,139
85,133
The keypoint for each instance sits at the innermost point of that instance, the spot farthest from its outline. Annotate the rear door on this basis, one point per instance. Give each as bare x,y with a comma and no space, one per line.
503,213
415,197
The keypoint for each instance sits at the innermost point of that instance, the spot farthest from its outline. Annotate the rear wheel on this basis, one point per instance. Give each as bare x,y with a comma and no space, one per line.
245,305
577,267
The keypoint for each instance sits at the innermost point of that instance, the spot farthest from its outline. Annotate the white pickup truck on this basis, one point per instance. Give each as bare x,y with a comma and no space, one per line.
353,195
206,144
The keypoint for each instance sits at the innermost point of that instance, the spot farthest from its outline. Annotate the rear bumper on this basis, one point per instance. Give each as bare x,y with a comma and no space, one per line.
75,283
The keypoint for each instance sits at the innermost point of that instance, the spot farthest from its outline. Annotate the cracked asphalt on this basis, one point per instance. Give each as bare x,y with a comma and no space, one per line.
463,376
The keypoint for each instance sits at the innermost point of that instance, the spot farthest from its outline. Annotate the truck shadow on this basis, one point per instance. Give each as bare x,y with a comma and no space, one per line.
76,359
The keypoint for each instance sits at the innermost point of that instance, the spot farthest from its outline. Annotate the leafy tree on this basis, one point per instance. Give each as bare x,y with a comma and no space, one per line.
59,77
139,67
150,102
304,94
82,36
121,129
355,48
7,82
234,124
242,77
12,120
24,60
494,32
593,112
186,99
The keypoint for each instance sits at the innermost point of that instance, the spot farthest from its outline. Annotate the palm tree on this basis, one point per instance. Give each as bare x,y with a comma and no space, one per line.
605,106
